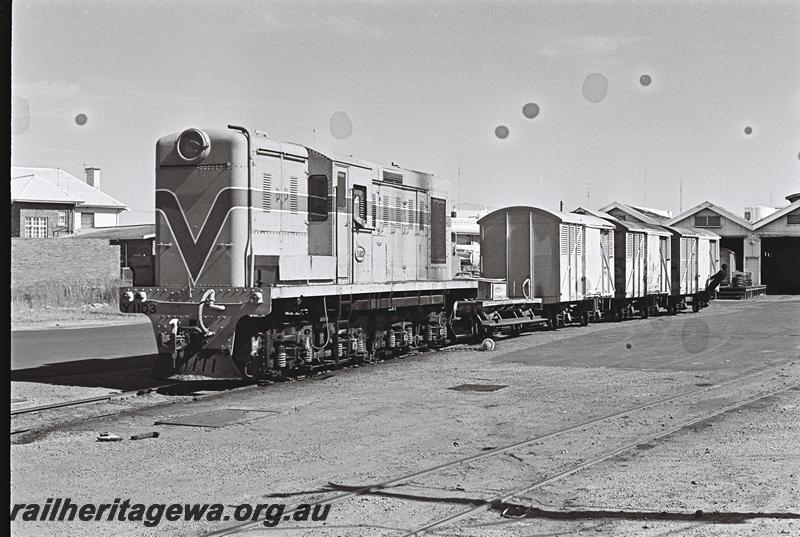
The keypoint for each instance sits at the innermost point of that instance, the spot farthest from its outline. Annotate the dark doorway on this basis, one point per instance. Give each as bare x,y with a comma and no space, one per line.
780,265
736,245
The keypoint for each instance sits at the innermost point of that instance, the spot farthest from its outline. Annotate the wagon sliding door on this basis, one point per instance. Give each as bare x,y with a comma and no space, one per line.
572,262
688,265
634,264
518,254
665,259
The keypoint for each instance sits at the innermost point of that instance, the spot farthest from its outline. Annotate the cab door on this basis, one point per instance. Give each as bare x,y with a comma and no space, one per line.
343,225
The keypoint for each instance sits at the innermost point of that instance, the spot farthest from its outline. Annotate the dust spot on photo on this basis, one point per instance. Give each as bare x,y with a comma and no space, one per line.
81,119
695,336
595,88
341,125
628,346
645,80
501,132
20,115
748,130
530,110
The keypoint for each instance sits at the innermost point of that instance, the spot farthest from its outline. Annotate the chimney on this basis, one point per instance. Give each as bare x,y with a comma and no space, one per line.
93,177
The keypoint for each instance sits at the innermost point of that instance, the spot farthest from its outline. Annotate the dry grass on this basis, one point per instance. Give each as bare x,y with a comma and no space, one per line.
58,301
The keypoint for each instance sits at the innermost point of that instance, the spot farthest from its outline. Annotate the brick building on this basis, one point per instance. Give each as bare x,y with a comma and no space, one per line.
49,202
136,249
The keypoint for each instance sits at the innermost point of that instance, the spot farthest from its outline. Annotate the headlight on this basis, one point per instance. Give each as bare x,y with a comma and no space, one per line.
193,145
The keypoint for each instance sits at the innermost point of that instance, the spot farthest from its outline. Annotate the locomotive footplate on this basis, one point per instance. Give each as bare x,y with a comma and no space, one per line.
195,326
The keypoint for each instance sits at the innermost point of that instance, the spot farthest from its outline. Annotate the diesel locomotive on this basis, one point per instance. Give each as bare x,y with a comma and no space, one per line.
272,258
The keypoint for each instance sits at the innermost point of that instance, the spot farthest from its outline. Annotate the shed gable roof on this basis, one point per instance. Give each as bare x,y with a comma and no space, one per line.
774,216
715,208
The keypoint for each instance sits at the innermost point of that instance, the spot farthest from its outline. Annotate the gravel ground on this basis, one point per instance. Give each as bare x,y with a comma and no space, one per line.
367,424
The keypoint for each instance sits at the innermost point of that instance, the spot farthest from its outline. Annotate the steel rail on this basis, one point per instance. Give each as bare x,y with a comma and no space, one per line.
233,530
86,401
489,503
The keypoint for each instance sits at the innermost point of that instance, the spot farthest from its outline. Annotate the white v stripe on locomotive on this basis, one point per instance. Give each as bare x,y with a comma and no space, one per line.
195,250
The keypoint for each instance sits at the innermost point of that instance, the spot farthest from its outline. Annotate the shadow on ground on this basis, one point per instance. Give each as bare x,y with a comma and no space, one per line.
128,373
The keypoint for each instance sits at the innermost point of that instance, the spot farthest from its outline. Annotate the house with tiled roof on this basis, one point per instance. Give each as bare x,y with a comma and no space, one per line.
50,202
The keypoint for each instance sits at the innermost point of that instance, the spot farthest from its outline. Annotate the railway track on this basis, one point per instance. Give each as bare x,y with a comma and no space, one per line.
500,500
86,401
185,386
249,384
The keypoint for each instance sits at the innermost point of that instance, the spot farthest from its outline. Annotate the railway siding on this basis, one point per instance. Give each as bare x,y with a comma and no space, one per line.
374,422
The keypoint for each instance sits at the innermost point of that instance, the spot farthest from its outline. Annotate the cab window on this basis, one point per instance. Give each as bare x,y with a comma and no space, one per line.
317,198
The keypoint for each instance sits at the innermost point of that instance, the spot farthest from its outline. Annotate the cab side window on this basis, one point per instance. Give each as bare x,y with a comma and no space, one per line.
360,205
317,198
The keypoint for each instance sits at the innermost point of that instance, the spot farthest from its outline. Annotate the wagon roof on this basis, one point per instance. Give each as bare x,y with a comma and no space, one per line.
628,225
693,232
706,233
568,218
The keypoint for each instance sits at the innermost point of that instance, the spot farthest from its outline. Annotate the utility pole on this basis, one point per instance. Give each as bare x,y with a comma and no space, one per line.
645,188
458,185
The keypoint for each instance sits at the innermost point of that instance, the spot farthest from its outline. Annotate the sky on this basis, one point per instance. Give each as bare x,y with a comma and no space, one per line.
663,104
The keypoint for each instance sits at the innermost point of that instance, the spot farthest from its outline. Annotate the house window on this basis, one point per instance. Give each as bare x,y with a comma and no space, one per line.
87,220
36,227
707,221
62,218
